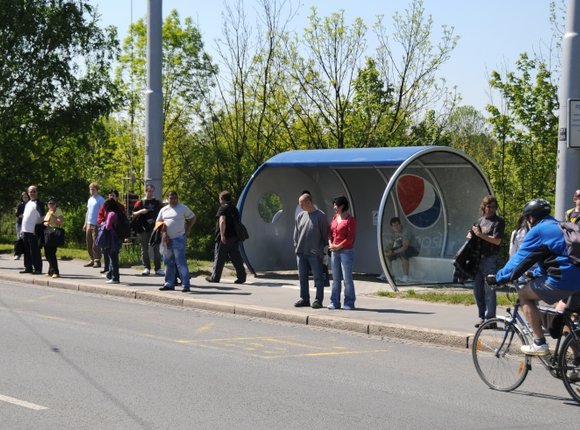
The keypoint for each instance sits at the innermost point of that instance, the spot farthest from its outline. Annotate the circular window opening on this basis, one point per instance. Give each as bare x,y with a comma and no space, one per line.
270,207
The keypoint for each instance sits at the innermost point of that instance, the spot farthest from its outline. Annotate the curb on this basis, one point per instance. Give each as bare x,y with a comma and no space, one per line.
373,328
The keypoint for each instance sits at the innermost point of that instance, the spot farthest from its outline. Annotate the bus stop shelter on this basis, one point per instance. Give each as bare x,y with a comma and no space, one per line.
435,191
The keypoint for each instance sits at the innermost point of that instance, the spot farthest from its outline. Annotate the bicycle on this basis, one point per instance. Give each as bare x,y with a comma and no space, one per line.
503,367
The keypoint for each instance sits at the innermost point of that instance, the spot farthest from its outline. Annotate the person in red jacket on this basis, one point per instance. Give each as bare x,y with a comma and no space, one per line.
341,238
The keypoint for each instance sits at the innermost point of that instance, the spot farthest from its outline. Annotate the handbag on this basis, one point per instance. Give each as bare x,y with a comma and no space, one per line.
53,236
241,230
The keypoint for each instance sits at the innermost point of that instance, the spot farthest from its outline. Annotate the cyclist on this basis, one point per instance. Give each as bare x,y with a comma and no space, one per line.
554,278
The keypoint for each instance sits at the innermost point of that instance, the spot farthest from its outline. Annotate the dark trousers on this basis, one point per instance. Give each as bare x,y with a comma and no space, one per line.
32,257
50,254
106,258
224,251
113,265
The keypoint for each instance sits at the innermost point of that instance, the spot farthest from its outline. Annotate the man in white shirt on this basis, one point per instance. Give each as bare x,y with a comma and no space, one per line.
178,220
33,215
91,227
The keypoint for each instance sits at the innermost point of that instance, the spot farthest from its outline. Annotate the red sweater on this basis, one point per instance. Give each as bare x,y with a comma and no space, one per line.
342,234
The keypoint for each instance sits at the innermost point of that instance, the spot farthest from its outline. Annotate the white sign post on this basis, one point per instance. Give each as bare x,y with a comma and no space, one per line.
573,123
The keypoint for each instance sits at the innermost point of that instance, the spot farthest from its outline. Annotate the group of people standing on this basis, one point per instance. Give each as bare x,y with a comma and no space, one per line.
31,220
312,233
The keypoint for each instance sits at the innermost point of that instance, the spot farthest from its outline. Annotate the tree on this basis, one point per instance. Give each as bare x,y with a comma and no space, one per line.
55,87
326,76
187,70
524,161
409,63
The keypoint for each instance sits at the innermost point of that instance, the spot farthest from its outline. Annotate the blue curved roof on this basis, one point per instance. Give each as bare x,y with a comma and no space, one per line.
391,156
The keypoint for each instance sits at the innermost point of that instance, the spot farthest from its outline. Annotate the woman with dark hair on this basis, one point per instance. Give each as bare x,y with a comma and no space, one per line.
53,218
113,243
341,238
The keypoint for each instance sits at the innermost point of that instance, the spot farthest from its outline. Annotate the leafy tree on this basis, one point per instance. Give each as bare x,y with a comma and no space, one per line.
186,72
524,160
409,62
326,76
55,87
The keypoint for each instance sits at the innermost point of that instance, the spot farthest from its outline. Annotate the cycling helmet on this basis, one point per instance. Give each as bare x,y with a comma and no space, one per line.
538,208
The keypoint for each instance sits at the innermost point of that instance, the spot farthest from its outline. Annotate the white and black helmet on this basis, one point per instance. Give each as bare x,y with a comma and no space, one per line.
538,208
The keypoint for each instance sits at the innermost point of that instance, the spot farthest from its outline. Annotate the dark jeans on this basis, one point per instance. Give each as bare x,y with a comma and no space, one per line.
113,265
306,263
50,253
32,257
223,251
485,295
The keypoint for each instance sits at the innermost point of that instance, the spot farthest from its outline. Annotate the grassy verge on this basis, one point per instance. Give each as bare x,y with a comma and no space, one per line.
450,297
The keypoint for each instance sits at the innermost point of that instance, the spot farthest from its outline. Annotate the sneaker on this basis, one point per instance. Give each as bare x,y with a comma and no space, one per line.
239,281
105,270
534,349
17,257
574,376
316,304
185,290
111,281
301,303
56,275
208,279
382,277
332,306
348,307
97,264
145,272
477,324
159,272
491,326
167,287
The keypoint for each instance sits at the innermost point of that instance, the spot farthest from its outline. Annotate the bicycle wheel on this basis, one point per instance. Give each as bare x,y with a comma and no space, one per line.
570,364
497,356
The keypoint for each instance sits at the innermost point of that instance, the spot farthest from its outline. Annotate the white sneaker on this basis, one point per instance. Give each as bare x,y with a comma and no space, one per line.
160,272
534,349
17,257
111,281
145,272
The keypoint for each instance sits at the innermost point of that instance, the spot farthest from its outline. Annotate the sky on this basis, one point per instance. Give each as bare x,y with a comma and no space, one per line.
492,32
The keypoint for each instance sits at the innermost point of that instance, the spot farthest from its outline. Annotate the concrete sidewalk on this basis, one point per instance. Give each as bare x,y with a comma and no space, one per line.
272,296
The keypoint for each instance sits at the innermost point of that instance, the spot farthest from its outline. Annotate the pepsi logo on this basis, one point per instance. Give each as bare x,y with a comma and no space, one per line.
419,201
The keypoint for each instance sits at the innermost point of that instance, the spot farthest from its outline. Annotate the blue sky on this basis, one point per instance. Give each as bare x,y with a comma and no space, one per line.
492,32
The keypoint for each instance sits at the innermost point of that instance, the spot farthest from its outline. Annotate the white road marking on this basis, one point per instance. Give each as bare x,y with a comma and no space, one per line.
22,403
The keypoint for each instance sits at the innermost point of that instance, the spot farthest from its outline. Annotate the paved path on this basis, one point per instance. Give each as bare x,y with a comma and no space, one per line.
272,296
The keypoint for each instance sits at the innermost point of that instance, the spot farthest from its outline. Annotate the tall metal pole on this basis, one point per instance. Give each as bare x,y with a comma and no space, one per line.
568,169
154,99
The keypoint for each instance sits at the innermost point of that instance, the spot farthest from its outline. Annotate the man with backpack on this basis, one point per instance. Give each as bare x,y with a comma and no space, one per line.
144,215
555,277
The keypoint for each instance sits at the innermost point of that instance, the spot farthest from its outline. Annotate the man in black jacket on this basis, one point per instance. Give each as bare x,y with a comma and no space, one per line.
227,244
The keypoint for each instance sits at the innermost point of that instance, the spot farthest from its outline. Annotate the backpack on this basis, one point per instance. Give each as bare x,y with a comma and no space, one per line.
571,233
122,226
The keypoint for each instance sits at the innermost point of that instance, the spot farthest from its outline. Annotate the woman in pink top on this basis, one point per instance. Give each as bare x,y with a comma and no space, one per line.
341,238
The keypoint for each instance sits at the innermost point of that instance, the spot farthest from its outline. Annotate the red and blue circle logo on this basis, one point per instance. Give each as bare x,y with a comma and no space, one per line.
419,201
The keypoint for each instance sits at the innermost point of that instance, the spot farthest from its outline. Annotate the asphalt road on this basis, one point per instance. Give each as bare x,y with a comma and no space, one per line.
72,360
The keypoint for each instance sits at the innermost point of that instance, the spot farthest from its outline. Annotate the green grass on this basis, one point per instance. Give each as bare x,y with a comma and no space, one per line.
451,297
